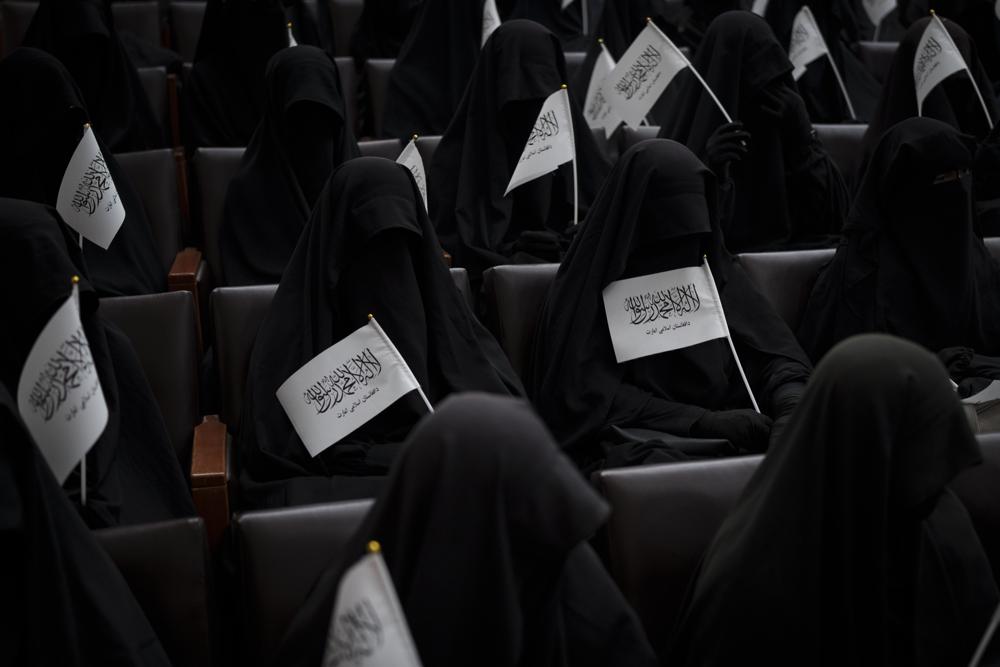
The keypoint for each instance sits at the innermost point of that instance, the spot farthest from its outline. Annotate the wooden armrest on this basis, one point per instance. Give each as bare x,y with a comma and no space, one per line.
446,256
210,477
184,275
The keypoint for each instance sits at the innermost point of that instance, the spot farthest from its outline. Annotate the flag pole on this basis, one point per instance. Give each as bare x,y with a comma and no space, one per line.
83,461
576,184
729,336
420,390
878,26
715,99
76,279
975,86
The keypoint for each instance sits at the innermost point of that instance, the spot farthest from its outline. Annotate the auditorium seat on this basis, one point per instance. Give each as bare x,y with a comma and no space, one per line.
214,168
427,145
349,84
377,72
344,15
630,136
786,278
978,487
141,19
166,566
387,148
993,245
185,23
877,57
844,144
514,297
280,555
154,82
15,17
574,61
607,146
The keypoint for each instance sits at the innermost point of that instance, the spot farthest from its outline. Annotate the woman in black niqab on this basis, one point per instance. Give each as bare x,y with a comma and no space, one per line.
656,213
133,472
41,123
911,263
847,547
780,188
368,248
81,34
302,137
521,65
520,586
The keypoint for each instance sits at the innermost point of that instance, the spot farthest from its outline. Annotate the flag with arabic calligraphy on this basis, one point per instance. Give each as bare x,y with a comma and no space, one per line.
550,143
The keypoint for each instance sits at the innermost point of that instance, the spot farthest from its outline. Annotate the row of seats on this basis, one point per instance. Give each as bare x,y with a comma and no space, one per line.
280,553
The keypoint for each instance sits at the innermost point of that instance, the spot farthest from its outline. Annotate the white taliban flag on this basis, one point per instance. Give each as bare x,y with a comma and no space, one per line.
491,19
88,199
877,10
596,108
410,158
936,59
345,386
368,627
291,36
550,143
59,394
566,3
759,7
807,42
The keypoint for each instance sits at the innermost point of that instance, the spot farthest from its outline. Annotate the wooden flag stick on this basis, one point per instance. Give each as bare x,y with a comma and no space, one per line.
576,184
399,358
83,461
729,336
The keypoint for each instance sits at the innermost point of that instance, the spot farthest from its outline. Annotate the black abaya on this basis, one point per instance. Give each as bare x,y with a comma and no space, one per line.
786,191
911,263
133,474
521,65
483,526
41,123
301,139
368,248
657,201
847,547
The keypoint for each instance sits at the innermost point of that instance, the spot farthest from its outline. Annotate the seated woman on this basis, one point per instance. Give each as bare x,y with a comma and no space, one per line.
847,547
368,248
781,189
520,66
657,213
302,137
911,263
41,125
133,471
484,526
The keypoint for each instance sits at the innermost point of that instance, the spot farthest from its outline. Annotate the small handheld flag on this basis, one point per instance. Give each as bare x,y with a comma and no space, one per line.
88,199
877,10
807,45
596,108
410,158
291,36
759,7
491,19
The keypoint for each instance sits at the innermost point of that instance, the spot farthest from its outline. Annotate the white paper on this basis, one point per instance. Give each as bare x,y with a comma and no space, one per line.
643,73
759,7
877,10
807,42
936,59
344,387
59,394
662,312
368,626
491,19
88,199
596,108
550,143
410,158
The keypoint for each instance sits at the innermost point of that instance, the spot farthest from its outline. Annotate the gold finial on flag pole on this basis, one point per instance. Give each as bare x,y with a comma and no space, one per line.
75,279
374,547
370,317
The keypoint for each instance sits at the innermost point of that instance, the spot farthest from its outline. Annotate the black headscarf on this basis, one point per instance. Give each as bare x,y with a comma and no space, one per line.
64,601
368,248
566,24
133,474
521,65
978,17
847,547
81,34
781,194
838,22
302,137
911,263
953,101
382,28
520,587
657,200
41,123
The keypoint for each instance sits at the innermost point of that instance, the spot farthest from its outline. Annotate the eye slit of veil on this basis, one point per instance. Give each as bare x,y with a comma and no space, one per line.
950,176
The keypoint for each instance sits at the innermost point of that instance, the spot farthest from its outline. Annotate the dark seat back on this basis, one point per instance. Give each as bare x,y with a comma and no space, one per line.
15,17
349,84
993,245
154,84
214,169
607,146
281,554
142,19
153,174
162,329
514,298
186,17
844,144
574,61
377,71
786,278
387,148
877,57
979,490
630,136
427,145
166,566
344,15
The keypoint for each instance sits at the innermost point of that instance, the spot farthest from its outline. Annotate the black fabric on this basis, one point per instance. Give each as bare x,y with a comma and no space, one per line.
839,23
41,123
64,601
786,191
657,202
911,263
302,137
953,101
847,547
986,184
519,586
521,65
81,34
566,24
972,372
382,28
978,17
368,248
133,475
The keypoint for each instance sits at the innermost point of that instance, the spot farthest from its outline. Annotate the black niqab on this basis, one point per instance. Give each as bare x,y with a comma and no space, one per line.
382,28
911,263
520,587
301,139
521,65
133,474
368,248
847,547
657,198
41,123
